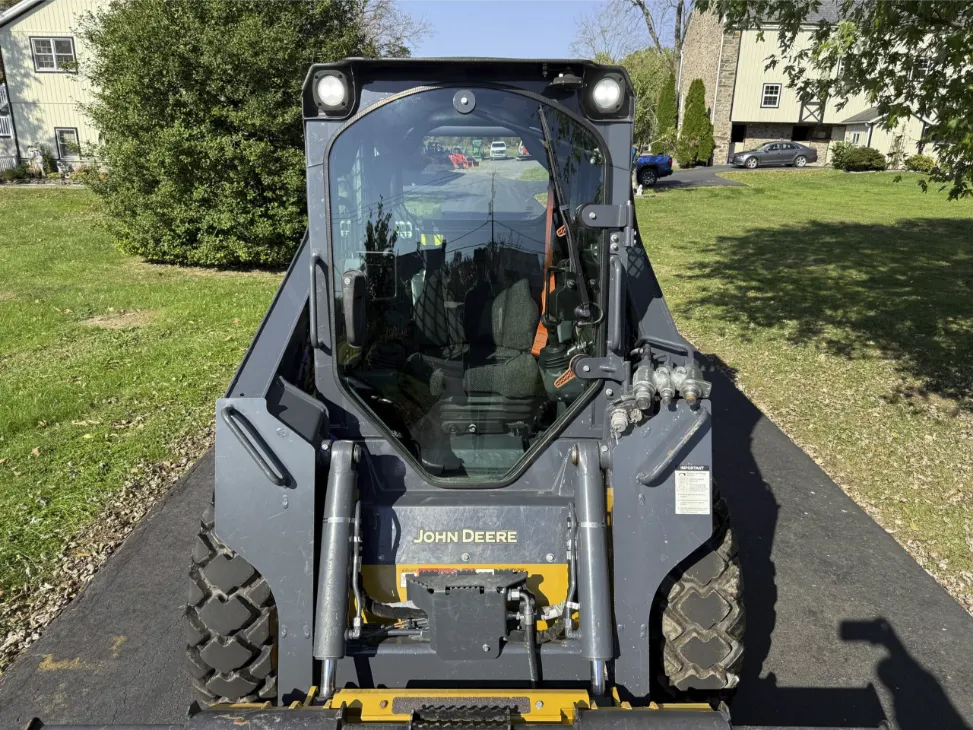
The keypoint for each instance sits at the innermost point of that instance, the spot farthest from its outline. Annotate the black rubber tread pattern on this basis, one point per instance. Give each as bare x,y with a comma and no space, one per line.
231,625
703,618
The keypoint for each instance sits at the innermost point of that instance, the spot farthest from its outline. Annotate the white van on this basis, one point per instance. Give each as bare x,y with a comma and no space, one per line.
498,151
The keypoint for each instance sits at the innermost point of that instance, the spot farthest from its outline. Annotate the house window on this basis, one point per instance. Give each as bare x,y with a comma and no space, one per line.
922,68
770,96
53,55
738,133
856,137
67,143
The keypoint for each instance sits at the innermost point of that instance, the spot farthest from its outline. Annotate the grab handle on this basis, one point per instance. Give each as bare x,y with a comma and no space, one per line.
248,436
313,301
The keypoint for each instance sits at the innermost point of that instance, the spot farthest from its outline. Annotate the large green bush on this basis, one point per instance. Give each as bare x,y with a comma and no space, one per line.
198,108
920,163
18,172
696,134
665,115
859,159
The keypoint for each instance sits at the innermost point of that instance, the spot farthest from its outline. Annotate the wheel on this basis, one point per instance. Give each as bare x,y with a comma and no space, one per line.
800,161
648,177
231,625
751,163
702,616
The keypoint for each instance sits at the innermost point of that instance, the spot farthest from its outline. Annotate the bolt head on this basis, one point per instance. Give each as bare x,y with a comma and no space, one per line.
307,630
486,647
539,704
282,432
614,238
549,557
609,392
465,557
614,247
383,704
586,368
347,280
592,215
604,448
471,428
464,101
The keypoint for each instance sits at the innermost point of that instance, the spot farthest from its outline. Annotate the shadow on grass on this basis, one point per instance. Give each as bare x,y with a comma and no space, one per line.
904,289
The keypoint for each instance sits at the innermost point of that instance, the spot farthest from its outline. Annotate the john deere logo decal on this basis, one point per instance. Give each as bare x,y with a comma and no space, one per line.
505,536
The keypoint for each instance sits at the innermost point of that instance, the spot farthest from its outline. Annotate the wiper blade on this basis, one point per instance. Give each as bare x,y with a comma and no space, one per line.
584,309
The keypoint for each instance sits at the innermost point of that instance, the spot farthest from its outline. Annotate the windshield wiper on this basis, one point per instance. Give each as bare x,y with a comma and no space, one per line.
583,310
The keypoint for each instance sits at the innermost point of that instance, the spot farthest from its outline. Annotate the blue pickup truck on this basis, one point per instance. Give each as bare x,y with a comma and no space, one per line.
649,168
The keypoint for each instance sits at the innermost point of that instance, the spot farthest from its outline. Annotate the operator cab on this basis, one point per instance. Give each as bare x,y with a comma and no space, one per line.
459,289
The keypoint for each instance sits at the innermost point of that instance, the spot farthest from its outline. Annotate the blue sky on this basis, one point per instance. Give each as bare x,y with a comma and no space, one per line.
503,28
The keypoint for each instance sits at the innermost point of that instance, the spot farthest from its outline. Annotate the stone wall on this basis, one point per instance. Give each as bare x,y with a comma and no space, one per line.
700,56
723,105
706,53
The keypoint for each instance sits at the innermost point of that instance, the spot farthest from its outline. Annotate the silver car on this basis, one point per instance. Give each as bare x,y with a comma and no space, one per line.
775,153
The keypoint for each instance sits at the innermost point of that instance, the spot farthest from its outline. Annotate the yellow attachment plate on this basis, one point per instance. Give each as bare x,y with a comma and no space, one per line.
547,581
547,705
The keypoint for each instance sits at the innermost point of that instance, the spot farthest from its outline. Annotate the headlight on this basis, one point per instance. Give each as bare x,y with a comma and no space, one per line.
607,94
331,91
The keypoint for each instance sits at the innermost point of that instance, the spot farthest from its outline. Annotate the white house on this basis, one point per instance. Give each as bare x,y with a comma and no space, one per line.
41,47
750,104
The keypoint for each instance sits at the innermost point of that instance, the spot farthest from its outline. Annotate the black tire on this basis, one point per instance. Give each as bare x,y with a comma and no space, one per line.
648,177
800,161
703,619
751,163
231,625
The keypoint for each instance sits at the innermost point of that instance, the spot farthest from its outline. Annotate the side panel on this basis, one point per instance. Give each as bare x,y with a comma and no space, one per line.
272,526
649,538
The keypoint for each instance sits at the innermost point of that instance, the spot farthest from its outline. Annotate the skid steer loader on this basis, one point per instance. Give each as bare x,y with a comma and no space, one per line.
464,473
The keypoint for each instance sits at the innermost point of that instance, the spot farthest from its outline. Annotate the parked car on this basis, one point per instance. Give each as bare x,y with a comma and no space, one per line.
775,153
649,168
498,151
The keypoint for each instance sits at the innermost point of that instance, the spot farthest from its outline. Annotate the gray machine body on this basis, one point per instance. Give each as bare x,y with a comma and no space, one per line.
272,512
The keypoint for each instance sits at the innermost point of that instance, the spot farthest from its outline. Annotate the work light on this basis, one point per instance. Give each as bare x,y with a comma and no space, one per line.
607,94
331,91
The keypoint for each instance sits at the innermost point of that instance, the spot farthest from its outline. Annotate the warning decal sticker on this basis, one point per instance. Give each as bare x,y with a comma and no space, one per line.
693,490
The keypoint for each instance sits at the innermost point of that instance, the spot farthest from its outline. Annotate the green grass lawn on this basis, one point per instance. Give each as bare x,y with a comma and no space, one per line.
107,365
845,305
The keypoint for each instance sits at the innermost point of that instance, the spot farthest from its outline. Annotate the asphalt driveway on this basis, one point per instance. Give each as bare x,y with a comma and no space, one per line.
843,627
702,177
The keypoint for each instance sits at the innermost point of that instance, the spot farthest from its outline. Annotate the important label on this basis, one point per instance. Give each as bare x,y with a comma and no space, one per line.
693,490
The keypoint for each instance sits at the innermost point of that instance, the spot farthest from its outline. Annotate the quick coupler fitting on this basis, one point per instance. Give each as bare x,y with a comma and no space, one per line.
662,379
688,379
643,387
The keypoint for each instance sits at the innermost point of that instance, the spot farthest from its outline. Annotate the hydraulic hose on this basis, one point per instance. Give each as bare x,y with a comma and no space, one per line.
530,635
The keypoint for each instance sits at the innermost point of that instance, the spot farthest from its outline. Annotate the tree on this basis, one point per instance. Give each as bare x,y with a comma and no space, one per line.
391,31
607,33
666,114
649,71
908,59
655,14
201,129
696,135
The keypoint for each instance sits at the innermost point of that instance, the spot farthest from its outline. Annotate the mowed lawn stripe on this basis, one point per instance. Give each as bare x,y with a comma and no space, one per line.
107,364
845,305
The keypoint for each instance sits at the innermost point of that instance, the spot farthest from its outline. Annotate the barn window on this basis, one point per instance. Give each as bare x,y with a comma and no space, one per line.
770,96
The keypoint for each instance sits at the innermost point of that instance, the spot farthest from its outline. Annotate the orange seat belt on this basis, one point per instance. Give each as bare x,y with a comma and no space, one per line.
540,337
